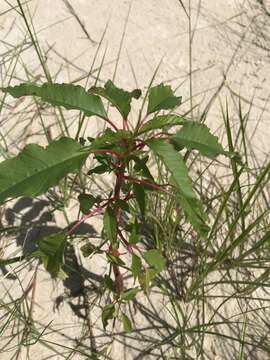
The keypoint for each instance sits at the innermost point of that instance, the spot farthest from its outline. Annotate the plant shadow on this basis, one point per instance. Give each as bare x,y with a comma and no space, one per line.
33,220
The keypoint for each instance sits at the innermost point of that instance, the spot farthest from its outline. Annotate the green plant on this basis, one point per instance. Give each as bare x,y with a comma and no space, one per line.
123,152
213,298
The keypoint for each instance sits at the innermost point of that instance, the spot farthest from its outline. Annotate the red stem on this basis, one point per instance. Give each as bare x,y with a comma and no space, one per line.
111,123
125,124
118,279
144,182
107,151
85,217
140,146
129,196
125,242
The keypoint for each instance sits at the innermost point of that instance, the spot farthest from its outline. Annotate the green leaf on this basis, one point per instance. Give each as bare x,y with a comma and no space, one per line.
86,201
160,122
107,314
110,226
88,249
109,283
104,159
154,258
141,167
146,278
67,95
195,213
136,266
36,169
180,178
135,235
140,197
175,164
130,294
119,98
100,169
161,97
115,259
198,136
126,323
51,252
123,205
150,275
110,139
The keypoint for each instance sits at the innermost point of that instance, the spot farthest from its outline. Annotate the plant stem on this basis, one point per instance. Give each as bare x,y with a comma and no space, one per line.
147,183
87,216
111,123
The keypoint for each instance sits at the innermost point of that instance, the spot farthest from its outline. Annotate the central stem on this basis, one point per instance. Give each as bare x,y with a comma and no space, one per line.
120,176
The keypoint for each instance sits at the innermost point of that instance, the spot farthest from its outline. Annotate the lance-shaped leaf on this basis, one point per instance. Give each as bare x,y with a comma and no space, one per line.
107,314
175,164
110,225
140,196
161,97
135,232
136,266
36,169
146,278
195,214
190,204
119,98
130,294
67,95
126,323
160,122
198,136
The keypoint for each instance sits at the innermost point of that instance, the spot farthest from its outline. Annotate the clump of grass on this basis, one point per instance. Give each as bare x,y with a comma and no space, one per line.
215,289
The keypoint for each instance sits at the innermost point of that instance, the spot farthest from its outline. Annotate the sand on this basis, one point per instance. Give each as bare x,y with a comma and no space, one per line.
230,46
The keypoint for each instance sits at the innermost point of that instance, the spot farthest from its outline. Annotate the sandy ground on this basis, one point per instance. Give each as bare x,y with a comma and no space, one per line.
230,46
226,40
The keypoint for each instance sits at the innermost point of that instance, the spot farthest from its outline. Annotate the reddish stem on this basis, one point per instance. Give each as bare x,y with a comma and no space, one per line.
85,217
140,146
125,124
128,196
125,242
107,151
118,279
117,190
115,252
111,123
147,183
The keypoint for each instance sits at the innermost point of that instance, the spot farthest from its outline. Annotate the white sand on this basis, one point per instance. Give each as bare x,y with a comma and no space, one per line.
223,39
